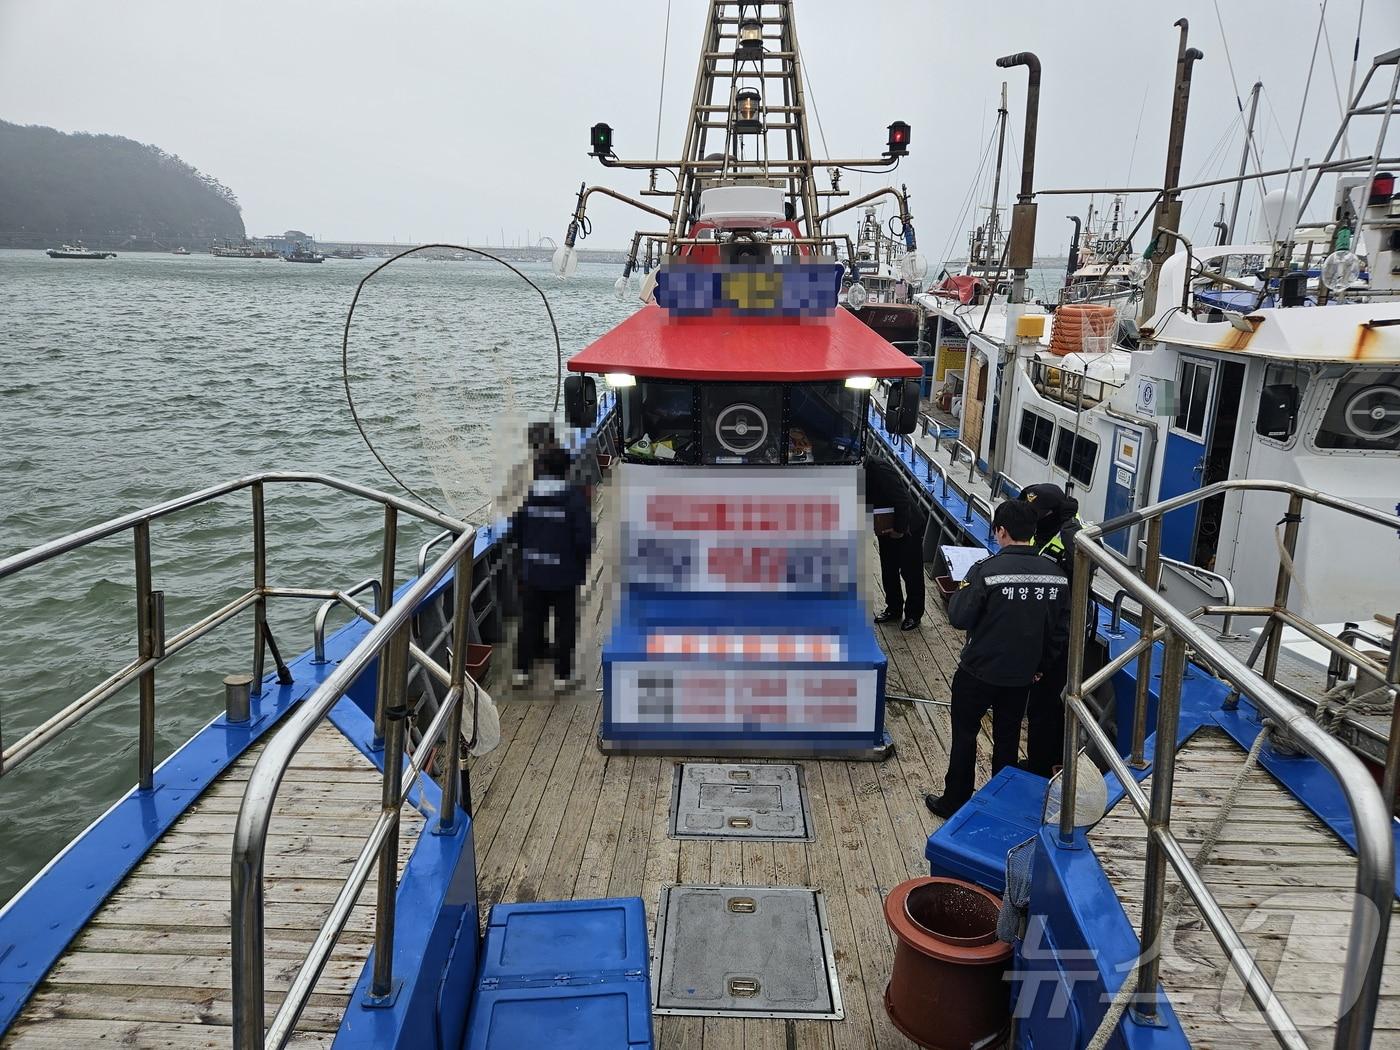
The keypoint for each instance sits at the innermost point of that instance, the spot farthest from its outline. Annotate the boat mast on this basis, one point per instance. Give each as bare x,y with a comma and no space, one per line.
1244,158
726,69
1168,215
989,243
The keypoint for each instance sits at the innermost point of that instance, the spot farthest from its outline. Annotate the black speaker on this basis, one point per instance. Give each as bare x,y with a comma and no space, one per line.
902,407
580,401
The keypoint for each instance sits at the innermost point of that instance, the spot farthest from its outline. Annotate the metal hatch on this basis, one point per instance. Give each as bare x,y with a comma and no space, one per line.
745,951
730,800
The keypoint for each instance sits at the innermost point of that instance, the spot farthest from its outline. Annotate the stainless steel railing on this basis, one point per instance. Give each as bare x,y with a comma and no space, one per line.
154,645
1370,810
390,642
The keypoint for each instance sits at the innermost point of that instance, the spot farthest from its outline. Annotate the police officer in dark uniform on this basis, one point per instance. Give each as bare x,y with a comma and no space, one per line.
901,541
1056,522
1013,608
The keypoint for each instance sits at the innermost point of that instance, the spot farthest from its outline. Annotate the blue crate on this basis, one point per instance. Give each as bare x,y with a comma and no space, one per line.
972,844
564,940
615,1015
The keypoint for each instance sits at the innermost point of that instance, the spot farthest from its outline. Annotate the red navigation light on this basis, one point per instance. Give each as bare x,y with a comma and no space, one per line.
1382,186
899,139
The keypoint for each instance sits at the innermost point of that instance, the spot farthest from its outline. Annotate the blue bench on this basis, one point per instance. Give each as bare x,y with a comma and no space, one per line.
972,844
564,975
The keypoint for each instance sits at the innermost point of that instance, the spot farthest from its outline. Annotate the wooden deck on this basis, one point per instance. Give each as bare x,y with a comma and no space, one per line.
1284,879
556,819
152,968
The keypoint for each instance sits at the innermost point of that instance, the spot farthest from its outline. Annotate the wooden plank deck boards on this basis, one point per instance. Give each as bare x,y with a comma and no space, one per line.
557,819
1281,876
152,967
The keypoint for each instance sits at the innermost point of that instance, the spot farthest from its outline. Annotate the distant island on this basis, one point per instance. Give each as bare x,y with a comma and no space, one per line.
107,191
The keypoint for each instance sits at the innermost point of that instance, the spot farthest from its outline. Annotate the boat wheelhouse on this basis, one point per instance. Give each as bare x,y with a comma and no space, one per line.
741,625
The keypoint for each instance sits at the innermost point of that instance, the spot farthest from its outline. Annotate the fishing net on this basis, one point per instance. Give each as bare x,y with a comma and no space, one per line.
1011,920
1090,795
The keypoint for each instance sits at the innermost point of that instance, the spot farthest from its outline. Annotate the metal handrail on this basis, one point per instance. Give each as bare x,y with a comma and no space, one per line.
959,447
154,647
423,551
391,635
1210,576
323,611
1369,813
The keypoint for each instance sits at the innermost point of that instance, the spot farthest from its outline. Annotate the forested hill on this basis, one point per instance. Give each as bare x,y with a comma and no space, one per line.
108,191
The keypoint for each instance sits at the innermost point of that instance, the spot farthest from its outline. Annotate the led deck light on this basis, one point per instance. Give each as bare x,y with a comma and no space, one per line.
860,382
899,139
619,379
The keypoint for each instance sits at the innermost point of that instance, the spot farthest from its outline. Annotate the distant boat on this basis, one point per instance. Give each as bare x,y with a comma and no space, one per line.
77,251
241,251
181,251
303,254
346,253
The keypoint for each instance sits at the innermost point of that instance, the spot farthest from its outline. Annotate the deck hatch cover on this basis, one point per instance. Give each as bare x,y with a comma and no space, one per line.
728,800
745,951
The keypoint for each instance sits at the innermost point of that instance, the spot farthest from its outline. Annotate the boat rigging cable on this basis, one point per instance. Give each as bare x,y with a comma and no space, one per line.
661,95
345,355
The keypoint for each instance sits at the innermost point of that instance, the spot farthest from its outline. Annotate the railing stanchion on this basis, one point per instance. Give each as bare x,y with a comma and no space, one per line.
394,665
1074,679
259,585
386,593
1159,820
146,645
1152,576
1392,751
451,751
1291,522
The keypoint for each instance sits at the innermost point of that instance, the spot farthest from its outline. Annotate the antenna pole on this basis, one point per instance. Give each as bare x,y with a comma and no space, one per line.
1244,157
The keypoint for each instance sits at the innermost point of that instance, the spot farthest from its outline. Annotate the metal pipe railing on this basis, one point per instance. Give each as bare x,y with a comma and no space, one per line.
153,644
391,633
1370,816
323,611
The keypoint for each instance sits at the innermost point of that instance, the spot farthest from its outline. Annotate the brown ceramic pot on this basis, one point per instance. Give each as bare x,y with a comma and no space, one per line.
947,989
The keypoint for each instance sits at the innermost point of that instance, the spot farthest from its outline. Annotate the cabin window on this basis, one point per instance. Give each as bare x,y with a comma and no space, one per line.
741,423
1281,397
1193,397
1363,414
658,421
1075,455
1036,431
824,423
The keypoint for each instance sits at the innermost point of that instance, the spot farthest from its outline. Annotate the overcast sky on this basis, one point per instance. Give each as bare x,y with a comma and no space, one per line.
420,120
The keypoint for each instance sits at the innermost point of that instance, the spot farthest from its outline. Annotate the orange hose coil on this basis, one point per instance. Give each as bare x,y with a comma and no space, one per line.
1075,323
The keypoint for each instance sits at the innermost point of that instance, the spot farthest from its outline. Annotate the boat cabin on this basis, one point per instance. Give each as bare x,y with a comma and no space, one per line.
744,395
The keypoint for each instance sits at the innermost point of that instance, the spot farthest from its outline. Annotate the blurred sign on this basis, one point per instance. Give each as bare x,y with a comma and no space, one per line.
693,529
777,700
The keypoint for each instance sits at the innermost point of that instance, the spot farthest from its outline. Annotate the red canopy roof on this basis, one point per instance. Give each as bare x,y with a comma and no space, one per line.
652,343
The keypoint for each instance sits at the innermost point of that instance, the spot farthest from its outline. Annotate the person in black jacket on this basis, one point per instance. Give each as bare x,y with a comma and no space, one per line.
553,530
1012,606
1056,522
899,533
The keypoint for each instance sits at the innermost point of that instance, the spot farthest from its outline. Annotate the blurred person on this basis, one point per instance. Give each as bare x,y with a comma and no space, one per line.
899,530
553,530
1012,606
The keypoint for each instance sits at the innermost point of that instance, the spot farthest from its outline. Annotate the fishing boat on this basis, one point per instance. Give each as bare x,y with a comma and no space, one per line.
182,250
720,840
303,253
885,283
78,251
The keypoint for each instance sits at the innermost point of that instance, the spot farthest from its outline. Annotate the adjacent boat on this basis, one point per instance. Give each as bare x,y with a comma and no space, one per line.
78,251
